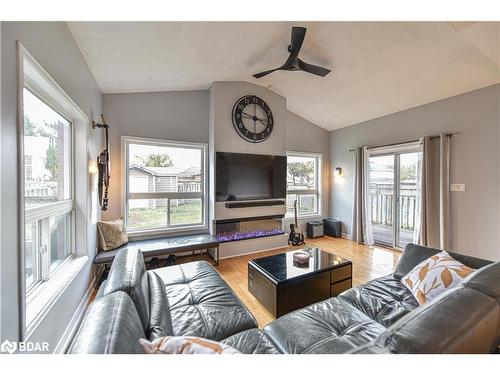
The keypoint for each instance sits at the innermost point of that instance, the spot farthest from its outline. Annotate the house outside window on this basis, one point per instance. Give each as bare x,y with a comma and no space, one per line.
165,186
303,184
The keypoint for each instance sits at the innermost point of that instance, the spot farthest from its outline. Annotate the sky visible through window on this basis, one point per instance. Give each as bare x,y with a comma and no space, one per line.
39,112
182,158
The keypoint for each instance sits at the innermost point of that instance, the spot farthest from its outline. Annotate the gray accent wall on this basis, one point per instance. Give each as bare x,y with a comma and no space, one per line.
52,45
172,115
475,159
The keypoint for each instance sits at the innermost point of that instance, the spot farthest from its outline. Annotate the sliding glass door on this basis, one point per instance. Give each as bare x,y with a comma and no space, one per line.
382,177
392,195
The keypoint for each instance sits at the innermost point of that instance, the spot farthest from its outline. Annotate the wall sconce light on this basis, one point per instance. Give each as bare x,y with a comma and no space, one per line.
93,170
338,171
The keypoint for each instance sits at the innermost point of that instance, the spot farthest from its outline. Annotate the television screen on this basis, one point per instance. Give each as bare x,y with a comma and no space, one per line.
249,177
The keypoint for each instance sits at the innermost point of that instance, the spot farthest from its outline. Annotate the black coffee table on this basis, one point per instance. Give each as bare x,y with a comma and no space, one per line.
282,286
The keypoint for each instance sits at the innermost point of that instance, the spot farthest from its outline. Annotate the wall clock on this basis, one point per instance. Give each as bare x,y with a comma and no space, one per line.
252,119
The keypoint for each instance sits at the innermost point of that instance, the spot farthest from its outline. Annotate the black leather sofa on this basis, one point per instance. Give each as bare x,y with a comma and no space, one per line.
379,317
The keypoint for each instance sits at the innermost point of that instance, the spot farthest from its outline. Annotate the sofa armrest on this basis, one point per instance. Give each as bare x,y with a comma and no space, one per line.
110,326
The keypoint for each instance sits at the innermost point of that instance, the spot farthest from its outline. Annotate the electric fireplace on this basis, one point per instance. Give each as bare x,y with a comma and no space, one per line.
247,228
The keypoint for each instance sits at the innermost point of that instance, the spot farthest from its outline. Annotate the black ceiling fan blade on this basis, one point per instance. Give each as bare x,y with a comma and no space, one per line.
262,74
314,69
298,35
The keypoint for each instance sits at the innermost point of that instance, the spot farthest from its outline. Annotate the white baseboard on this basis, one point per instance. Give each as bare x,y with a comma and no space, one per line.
70,331
347,236
251,246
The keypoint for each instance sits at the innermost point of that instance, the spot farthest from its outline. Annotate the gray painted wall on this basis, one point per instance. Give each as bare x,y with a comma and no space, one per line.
52,45
224,95
304,136
475,159
185,116
173,115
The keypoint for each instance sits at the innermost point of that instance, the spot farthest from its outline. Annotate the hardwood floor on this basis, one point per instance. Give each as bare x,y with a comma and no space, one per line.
368,264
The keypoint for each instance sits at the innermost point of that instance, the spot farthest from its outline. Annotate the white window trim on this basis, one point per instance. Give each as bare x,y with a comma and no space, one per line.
41,299
171,229
319,179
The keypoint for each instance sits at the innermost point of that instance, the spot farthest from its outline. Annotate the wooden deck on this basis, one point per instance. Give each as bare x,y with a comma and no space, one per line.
384,234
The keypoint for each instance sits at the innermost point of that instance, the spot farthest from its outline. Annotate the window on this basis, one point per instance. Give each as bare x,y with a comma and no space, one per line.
48,190
303,184
165,186
56,217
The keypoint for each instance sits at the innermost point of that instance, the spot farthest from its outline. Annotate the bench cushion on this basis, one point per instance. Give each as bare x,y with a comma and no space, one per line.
201,303
161,246
329,327
385,299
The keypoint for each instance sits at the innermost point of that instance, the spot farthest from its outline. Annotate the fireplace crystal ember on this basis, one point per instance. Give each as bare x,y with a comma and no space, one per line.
236,236
244,229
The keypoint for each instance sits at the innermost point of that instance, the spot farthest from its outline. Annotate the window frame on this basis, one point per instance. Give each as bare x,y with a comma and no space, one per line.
37,300
42,214
318,183
203,194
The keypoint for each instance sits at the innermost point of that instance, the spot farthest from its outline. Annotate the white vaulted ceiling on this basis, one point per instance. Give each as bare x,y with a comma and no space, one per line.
377,67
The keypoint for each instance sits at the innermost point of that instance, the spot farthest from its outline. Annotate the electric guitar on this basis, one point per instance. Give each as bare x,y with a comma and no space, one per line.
296,237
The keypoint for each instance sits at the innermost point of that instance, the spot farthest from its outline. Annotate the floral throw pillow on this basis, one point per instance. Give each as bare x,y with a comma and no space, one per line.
185,345
433,276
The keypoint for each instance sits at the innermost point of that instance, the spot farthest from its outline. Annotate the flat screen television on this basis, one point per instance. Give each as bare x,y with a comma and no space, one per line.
249,177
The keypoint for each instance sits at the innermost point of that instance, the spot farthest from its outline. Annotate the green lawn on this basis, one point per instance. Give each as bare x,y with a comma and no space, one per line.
189,213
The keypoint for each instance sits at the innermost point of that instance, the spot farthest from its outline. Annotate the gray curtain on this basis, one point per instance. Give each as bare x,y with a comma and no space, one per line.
361,229
435,198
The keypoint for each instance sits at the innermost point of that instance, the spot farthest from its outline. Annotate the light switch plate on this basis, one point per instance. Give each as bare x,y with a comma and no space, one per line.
457,187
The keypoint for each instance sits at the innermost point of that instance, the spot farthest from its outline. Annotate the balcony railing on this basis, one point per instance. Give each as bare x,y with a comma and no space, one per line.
382,200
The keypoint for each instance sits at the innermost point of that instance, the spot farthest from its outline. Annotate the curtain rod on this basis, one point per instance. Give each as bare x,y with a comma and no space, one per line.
402,143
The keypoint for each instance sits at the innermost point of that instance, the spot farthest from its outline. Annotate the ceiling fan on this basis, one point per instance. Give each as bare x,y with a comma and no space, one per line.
293,63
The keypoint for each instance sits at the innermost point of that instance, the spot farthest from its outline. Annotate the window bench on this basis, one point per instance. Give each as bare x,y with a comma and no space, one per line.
157,247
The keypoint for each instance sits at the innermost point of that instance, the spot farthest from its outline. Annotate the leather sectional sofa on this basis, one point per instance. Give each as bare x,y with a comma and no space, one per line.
379,317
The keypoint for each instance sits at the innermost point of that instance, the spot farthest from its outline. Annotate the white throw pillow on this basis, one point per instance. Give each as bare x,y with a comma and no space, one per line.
185,345
428,279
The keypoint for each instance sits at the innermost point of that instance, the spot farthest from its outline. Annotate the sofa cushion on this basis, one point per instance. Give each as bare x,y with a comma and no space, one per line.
111,325
332,326
160,321
385,299
201,303
128,274
414,254
251,341
465,319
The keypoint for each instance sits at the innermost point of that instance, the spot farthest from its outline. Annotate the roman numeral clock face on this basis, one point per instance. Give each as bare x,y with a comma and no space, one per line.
252,119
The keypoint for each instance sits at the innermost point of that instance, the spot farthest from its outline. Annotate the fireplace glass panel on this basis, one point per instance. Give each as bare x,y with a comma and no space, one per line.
246,229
